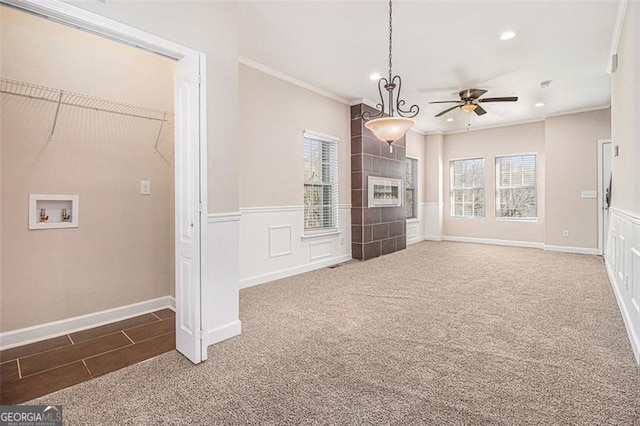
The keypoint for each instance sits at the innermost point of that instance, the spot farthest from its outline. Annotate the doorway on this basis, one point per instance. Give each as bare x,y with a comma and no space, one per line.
604,187
190,157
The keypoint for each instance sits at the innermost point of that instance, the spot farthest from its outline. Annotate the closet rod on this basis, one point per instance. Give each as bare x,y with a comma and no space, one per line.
63,97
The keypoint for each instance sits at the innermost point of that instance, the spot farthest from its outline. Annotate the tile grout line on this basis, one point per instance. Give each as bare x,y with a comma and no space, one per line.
155,315
88,371
70,339
19,370
127,336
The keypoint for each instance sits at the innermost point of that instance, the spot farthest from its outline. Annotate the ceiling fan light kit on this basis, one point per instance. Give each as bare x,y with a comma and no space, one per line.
389,129
470,100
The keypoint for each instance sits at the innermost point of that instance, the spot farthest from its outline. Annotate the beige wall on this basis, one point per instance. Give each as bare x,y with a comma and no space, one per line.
210,27
525,138
416,147
274,115
122,252
432,167
625,115
571,144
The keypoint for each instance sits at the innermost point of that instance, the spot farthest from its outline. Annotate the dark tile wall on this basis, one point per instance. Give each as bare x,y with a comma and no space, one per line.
378,230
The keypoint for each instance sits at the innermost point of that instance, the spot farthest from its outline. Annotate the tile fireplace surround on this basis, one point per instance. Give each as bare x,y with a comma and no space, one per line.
375,231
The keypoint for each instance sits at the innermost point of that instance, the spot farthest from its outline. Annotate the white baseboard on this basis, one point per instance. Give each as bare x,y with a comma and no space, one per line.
414,240
496,242
634,339
23,336
283,273
434,238
577,250
224,332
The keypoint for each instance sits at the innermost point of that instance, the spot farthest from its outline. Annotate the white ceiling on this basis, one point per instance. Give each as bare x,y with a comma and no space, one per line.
440,48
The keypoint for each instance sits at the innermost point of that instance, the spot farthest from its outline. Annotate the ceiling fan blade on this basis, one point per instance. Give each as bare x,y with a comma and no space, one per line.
479,110
503,99
471,93
446,111
444,102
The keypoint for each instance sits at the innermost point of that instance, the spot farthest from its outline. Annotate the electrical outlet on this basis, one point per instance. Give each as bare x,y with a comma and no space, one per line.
565,233
145,187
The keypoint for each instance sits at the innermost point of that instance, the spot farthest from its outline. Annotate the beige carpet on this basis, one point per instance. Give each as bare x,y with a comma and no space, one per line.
441,333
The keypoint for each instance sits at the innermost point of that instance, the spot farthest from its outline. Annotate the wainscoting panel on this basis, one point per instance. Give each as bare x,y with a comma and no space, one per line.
280,240
415,228
433,220
622,258
273,245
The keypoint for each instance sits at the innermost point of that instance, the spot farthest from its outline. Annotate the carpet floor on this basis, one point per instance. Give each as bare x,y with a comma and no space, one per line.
440,333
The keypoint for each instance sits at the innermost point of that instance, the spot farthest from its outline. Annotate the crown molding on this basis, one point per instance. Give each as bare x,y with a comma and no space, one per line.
290,79
615,36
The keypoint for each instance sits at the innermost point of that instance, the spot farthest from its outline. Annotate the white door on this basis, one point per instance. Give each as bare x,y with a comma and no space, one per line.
604,185
188,209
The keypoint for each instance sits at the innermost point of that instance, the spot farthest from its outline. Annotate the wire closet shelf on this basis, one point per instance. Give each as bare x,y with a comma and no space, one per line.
63,97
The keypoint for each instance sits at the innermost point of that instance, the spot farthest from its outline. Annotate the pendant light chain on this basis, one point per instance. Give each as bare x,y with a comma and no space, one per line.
390,37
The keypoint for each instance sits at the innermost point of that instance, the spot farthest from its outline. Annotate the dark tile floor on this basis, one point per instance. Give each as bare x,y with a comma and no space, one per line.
33,370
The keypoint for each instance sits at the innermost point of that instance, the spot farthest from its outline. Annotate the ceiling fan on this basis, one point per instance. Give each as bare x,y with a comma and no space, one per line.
469,101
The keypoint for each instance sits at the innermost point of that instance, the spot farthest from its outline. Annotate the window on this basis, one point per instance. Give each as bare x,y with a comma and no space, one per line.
320,155
411,188
467,187
516,191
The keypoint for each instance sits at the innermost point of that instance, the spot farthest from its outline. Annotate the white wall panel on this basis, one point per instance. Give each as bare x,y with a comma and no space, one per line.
623,265
273,245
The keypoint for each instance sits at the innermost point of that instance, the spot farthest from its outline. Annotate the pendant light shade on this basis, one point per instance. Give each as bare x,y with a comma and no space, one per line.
390,129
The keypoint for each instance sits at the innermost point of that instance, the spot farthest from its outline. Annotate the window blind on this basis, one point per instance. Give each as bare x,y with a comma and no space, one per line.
320,182
411,188
467,187
516,186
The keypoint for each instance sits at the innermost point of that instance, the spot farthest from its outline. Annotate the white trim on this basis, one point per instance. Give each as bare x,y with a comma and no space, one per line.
615,36
418,131
634,339
283,273
332,233
290,79
600,198
631,217
311,134
223,217
36,333
270,209
416,239
434,238
578,111
576,250
221,333
512,243
79,18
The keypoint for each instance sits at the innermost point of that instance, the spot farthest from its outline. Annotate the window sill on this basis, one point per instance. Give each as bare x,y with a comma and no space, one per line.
413,220
320,234
467,217
516,219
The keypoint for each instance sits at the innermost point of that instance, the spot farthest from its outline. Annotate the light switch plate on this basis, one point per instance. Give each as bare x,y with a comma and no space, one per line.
589,194
145,187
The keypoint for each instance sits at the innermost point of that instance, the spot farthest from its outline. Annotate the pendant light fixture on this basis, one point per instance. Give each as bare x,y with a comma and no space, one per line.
390,128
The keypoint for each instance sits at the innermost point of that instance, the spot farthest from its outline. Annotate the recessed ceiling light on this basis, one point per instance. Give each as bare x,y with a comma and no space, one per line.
375,76
449,119
539,104
507,35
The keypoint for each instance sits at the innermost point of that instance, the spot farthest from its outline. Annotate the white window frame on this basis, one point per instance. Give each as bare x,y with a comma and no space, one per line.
452,189
330,142
411,162
498,187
